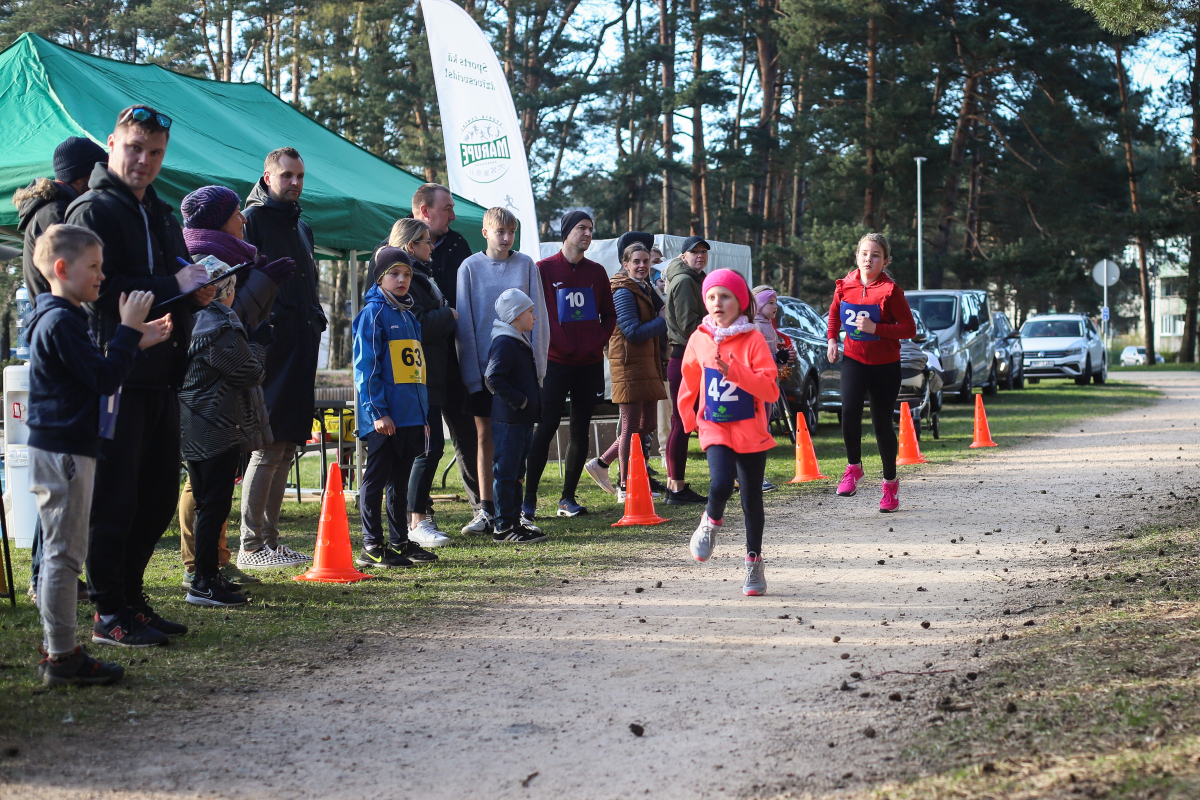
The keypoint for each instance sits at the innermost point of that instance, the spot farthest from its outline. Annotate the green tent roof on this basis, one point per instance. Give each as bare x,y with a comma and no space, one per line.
220,135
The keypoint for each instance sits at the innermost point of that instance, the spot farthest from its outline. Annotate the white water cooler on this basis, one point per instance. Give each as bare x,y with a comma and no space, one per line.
19,505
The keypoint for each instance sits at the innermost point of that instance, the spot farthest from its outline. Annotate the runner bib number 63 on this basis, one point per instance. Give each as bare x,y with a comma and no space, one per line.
408,361
577,304
725,401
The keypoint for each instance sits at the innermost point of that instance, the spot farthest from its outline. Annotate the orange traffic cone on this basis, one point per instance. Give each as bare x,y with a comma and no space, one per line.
333,561
807,468
639,505
983,436
910,450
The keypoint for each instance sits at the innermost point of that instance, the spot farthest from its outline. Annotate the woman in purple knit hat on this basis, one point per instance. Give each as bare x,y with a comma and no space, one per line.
212,226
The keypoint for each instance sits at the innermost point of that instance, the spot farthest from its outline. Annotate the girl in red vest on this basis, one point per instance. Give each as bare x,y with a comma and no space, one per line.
728,368
872,309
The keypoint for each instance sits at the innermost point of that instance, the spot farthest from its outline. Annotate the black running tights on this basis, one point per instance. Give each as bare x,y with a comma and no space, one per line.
723,466
881,382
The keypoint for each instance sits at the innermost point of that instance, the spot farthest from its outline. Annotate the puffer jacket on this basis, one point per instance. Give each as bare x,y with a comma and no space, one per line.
634,357
438,326
884,301
217,406
685,304
733,408
39,205
389,364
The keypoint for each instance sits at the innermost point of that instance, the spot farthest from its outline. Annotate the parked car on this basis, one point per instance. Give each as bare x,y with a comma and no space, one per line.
812,378
1133,356
1010,361
1063,346
962,319
920,380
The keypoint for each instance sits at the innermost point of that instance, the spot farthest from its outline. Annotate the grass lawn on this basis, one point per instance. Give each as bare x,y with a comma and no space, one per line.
1167,367
291,624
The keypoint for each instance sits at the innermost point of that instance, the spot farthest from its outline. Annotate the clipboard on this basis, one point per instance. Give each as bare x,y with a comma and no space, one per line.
218,279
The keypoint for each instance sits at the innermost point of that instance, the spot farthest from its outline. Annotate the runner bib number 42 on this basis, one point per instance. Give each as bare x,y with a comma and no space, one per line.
408,361
577,304
725,401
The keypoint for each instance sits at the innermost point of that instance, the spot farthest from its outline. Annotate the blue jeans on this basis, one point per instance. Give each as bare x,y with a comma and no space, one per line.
512,445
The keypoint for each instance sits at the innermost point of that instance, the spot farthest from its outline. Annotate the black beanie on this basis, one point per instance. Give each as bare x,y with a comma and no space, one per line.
386,258
571,219
76,157
633,237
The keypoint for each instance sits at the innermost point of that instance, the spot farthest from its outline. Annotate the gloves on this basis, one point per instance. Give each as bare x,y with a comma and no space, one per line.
278,270
262,335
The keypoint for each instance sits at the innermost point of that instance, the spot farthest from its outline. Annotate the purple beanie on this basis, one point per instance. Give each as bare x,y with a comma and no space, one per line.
209,207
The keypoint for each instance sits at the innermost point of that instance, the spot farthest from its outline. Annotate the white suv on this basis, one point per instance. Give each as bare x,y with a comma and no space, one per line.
1063,346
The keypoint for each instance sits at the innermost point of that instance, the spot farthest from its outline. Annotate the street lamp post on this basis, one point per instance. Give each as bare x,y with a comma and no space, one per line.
920,235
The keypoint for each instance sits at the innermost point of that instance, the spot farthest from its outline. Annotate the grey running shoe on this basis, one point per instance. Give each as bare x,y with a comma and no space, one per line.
482,524
756,581
599,474
704,539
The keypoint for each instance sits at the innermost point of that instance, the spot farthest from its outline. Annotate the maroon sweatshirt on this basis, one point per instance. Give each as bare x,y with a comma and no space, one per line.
580,306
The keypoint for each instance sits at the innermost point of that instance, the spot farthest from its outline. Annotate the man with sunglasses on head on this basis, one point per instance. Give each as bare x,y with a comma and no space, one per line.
137,476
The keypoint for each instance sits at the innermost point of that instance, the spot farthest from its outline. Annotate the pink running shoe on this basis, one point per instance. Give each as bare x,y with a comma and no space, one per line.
891,497
851,478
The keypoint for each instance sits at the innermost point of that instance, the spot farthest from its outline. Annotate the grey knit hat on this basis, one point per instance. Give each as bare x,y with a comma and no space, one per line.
511,304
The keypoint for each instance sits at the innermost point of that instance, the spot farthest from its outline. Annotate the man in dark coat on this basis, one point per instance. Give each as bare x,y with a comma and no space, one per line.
44,202
137,477
273,225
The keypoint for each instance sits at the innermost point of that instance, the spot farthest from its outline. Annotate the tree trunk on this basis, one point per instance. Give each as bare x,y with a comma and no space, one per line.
699,225
228,76
971,243
799,198
337,315
296,58
868,215
1187,352
666,38
1143,267
768,73
958,151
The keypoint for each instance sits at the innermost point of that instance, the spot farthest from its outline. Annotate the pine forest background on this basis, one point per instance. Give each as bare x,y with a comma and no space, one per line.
788,125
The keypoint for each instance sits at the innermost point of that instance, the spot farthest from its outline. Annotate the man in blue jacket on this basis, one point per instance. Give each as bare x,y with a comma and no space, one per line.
393,404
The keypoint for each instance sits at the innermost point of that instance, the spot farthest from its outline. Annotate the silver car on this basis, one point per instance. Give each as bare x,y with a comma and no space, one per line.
962,320
1063,346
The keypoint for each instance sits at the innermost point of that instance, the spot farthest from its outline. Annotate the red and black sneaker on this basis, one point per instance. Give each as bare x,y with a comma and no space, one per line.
126,630
78,669
150,618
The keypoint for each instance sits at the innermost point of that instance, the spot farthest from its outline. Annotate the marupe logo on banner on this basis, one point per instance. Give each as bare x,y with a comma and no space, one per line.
483,146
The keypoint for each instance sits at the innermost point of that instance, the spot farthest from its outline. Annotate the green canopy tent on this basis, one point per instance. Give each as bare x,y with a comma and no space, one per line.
220,135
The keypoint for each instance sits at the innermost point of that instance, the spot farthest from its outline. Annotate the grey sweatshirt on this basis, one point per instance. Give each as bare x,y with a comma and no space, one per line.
480,282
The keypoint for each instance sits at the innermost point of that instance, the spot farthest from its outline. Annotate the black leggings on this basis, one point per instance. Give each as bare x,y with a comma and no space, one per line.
723,466
882,383
585,386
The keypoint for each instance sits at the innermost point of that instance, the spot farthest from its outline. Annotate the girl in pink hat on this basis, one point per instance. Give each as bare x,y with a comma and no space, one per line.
729,378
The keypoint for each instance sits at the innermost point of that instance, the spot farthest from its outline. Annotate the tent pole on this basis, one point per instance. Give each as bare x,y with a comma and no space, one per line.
358,445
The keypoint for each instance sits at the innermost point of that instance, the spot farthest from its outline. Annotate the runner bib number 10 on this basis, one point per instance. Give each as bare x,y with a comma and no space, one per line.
408,361
725,401
577,304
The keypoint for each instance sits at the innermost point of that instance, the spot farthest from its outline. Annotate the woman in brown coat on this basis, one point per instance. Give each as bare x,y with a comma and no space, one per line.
634,359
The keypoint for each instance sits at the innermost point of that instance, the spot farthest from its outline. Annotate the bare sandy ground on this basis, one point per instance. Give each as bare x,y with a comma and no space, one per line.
736,697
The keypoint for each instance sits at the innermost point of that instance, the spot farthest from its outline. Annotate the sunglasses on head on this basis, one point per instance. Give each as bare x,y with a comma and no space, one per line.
146,116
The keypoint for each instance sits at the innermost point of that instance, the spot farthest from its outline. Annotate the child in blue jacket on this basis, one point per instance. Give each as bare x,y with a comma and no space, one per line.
389,372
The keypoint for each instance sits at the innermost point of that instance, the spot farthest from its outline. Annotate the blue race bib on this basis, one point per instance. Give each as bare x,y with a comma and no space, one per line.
725,401
850,316
577,304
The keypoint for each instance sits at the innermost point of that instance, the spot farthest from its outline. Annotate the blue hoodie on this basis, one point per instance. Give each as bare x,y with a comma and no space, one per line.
389,364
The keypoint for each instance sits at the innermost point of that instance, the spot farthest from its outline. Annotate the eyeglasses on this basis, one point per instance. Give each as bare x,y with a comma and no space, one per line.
145,115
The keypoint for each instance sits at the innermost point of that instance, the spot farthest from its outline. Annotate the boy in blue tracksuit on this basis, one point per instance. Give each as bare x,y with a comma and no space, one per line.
389,372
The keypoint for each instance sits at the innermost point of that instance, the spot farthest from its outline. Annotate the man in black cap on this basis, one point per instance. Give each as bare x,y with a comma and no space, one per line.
685,312
44,202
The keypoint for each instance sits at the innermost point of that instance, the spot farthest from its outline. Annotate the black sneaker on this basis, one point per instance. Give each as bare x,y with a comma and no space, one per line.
213,592
381,557
658,486
149,617
126,630
685,497
415,553
518,534
78,669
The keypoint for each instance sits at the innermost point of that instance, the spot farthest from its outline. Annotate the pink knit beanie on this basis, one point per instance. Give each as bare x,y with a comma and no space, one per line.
732,281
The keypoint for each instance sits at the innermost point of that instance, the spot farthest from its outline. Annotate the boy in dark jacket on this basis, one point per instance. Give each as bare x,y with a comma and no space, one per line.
512,378
67,379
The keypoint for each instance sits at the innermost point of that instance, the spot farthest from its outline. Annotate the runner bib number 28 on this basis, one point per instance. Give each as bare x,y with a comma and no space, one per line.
725,401
408,361
852,313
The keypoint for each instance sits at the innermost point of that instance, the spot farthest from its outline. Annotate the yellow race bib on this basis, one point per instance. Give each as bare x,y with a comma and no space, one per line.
408,361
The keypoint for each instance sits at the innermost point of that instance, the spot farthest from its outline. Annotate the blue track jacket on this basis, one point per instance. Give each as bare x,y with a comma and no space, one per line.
389,365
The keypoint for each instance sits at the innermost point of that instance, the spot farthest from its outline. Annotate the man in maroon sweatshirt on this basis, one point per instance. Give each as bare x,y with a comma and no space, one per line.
582,317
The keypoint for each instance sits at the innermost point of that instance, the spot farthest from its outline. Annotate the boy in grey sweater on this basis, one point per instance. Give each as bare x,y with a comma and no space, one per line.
481,280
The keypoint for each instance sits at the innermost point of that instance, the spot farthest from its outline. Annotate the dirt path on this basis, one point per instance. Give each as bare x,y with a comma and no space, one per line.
737,696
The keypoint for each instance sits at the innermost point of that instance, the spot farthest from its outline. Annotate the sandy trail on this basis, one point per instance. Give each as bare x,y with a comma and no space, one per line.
738,696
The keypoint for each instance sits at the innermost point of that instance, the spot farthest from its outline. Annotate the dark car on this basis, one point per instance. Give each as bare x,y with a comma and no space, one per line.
962,320
1010,355
812,384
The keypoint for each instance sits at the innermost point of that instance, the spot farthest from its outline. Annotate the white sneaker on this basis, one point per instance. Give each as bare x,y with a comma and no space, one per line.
599,474
426,534
291,556
704,539
756,579
527,522
481,524
265,558
621,495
